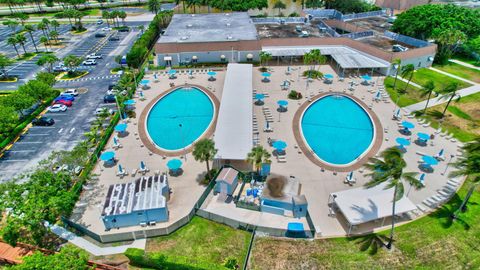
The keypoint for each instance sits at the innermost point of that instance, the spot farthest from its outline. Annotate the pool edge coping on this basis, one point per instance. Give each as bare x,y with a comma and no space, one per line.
142,130
373,148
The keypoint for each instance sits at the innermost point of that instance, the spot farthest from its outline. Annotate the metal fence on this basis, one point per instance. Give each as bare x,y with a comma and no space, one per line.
322,26
269,20
407,40
362,15
358,34
334,14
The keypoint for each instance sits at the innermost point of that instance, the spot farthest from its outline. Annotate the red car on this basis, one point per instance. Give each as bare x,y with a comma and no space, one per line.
67,103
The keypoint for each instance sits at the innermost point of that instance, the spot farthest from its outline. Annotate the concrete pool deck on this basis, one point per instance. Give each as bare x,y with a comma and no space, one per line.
316,185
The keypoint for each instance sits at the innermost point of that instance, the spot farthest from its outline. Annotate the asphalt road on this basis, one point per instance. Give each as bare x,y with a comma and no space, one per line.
69,127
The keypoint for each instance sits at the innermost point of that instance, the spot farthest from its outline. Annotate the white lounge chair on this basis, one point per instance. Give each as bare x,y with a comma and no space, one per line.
121,171
143,168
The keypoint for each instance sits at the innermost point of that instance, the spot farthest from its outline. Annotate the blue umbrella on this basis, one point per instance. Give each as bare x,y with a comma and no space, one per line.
328,76
121,127
109,155
129,102
397,113
155,76
430,160
402,141
366,77
279,145
422,178
423,136
407,124
174,164
211,73
440,153
282,103
172,72
259,96
266,74
144,81
377,95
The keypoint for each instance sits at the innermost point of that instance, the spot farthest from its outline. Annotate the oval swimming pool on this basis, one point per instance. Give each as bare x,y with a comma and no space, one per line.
337,129
179,118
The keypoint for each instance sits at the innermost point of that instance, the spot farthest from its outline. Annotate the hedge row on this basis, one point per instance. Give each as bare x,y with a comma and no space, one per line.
140,258
20,127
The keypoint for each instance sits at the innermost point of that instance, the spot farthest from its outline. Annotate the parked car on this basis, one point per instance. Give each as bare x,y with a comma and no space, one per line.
109,99
94,56
124,29
100,35
106,29
66,97
57,108
102,110
60,68
72,92
43,121
114,38
399,48
99,21
89,62
67,103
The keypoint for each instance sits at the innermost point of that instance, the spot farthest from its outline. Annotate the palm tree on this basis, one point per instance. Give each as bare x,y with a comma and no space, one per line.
468,165
30,29
407,71
396,63
257,156
44,40
106,16
4,63
122,15
204,151
426,91
54,36
47,23
308,59
389,170
264,58
449,92
55,24
141,28
280,5
21,39
49,60
13,41
92,137
43,27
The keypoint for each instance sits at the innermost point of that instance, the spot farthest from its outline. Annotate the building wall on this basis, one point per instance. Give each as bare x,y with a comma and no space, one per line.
300,210
135,218
285,205
271,209
230,188
208,57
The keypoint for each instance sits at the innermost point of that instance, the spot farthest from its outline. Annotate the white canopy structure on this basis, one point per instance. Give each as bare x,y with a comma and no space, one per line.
233,133
361,205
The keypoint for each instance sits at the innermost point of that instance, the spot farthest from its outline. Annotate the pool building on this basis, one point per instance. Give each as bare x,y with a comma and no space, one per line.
141,202
226,181
353,43
282,196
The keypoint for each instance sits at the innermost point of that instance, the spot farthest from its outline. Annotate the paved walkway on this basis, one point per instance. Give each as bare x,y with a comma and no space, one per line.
451,75
411,83
464,64
91,247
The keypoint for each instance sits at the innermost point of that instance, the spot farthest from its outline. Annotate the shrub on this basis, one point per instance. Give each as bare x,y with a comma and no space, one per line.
314,74
294,95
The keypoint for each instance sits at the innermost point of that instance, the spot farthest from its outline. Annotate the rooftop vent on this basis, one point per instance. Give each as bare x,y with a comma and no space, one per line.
228,24
229,37
189,25
184,38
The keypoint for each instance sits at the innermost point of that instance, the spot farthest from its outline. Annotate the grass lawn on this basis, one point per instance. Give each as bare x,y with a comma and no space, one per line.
432,242
421,76
461,71
203,240
462,118
411,96
467,60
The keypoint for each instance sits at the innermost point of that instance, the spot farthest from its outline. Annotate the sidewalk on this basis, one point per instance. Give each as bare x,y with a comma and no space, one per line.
464,64
91,247
451,75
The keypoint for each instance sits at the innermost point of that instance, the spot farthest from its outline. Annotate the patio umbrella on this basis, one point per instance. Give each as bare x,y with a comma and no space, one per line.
430,160
440,154
266,74
121,127
423,136
190,72
108,155
288,69
259,96
282,103
155,76
366,77
397,113
328,76
267,125
172,72
407,125
129,102
422,178
211,73
377,95
279,145
174,164
402,141
144,82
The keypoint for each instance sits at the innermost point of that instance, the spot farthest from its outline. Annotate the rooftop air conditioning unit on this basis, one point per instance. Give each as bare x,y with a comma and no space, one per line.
229,37
184,38
189,25
228,24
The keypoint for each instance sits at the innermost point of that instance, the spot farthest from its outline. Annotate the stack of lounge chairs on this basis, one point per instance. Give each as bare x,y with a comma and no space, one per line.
268,114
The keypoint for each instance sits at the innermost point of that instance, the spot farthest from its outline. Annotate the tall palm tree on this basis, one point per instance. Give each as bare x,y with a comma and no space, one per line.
204,151
41,26
106,16
21,39
48,60
55,24
47,23
388,169
257,156
426,91
122,15
407,72
13,41
54,36
398,63
30,29
449,93
44,40
468,165
264,58
308,59
4,63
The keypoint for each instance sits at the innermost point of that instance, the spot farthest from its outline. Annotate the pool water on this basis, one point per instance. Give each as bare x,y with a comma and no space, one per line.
337,129
189,107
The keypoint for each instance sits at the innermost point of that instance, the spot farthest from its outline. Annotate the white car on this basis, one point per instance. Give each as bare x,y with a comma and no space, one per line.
89,62
57,108
106,29
102,110
94,56
72,92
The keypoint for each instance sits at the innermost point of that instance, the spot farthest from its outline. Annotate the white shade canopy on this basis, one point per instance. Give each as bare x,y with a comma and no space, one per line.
222,56
194,57
249,56
167,58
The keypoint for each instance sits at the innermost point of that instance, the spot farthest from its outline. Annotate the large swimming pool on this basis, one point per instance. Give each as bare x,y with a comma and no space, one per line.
337,129
179,118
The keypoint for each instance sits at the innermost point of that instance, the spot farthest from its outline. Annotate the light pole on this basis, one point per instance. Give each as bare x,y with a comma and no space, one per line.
446,167
183,141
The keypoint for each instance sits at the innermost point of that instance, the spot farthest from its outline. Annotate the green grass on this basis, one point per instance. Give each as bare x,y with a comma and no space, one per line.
411,96
458,112
421,76
467,60
461,71
432,242
203,240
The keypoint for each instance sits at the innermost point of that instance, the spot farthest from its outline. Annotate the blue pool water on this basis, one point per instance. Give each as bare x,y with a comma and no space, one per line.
337,129
189,107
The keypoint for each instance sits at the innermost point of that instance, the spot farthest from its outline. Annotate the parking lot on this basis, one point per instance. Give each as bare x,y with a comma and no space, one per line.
38,142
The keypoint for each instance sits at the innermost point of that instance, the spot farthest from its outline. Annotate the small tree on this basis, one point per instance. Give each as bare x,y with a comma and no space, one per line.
122,15
407,72
54,36
204,151
47,60
264,58
279,5
4,63
13,41
72,62
257,156
397,62
44,40
426,91
154,6
449,93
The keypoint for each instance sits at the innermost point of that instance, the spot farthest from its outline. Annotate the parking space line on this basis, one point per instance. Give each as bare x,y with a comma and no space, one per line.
13,160
21,151
60,131
39,134
28,142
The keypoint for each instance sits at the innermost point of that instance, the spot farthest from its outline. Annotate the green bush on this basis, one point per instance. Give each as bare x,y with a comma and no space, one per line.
314,74
294,95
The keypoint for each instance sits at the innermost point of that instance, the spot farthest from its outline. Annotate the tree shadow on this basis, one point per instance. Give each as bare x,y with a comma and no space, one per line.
370,243
445,214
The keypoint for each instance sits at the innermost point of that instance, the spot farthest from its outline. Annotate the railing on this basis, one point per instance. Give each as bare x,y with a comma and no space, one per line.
278,20
334,14
322,26
359,34
407,40
362,15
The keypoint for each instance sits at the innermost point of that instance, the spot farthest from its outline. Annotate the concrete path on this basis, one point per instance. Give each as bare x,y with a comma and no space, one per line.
411,83
464,64
91,247
451,75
